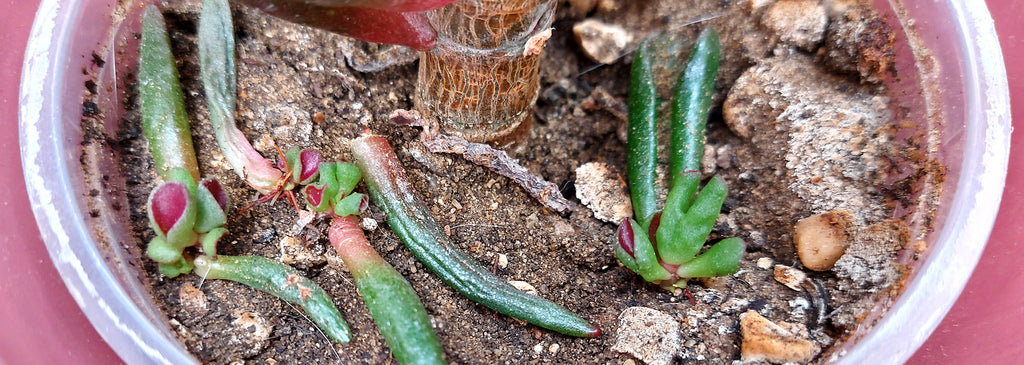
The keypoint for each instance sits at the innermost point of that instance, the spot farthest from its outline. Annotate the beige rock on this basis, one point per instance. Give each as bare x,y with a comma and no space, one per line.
297,252
192,300
764,340
604,191
600,41
250,331
758,5
708,162
870,261
858,41
822,239
734,305
790,277
797,22
649,335
832,132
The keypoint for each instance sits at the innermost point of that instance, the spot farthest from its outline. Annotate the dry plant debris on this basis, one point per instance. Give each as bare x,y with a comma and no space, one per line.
546,192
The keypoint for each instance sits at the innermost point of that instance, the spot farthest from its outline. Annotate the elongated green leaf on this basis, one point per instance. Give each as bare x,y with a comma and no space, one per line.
161,102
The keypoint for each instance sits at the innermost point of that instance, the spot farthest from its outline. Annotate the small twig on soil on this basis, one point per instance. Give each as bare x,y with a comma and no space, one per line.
484,155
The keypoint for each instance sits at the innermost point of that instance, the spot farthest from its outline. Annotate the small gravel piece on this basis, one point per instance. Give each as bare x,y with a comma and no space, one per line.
600,41
523,286
299,253
604,191
251,332
647,334
797,22
790,277
734,305
822,239
764,340
193,300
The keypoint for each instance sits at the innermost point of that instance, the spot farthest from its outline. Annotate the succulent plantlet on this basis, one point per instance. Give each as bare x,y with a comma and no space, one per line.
391,300
219,76
182,218
664,247
184,213
391,21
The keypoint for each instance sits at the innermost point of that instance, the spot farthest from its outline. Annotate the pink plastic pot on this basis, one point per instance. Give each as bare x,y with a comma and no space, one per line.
96,257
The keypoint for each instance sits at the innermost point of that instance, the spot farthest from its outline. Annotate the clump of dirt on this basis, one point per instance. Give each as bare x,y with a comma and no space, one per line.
794,138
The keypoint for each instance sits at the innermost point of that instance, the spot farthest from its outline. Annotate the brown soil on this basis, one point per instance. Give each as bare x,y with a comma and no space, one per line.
804,140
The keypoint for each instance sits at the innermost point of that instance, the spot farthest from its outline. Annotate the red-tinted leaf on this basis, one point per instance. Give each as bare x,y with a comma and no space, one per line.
217,191
372,25
625,236
168,204
655,223
314,195
364,203
310,164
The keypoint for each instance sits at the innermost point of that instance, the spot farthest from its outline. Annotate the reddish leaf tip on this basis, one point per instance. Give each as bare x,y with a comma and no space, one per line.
217,190
168,204
652,230
625,235
310,160
314,195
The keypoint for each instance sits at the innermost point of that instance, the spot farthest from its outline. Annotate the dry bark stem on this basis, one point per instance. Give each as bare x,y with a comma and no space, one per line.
484,155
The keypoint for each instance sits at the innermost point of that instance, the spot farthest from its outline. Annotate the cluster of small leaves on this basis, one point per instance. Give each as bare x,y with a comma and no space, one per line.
664,247
333,191
184,214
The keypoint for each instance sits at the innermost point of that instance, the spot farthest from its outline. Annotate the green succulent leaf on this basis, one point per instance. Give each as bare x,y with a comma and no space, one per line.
211,200
176,268
210,240
348,176
160,251
684,229
647,264
721,259
354,204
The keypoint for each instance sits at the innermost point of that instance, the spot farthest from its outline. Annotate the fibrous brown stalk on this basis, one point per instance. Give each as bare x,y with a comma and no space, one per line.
481,81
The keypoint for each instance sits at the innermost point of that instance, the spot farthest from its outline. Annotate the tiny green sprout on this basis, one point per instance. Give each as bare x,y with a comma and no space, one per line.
665,247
